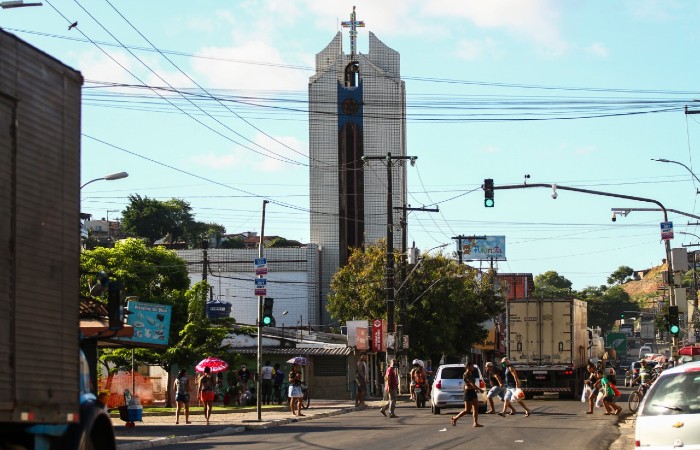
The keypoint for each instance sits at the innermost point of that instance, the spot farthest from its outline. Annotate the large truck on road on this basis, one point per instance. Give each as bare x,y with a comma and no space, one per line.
548,344
46,398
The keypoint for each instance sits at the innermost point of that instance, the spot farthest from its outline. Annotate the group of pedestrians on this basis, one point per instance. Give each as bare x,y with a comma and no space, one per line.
208,385
503,383
598,385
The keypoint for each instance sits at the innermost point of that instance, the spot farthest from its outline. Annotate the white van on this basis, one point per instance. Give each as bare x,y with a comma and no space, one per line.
643,350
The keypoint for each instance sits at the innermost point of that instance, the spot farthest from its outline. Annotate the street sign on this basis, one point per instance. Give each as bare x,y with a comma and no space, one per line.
666,231
260,266
261,286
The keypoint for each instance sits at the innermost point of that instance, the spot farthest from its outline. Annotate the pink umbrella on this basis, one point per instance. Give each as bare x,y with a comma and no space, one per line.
215,364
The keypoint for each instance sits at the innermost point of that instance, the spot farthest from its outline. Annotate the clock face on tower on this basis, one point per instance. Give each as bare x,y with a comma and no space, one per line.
350,106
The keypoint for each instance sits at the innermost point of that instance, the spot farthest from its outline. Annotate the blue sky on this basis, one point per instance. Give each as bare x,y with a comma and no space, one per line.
578,93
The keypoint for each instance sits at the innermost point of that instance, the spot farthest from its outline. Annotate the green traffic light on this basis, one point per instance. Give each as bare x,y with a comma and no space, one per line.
674,329
488,203
267,320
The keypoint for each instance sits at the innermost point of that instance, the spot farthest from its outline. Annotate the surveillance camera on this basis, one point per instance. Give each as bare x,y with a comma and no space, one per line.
614,217
555,195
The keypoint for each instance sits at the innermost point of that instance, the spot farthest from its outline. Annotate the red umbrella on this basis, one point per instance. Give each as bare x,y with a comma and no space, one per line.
215,364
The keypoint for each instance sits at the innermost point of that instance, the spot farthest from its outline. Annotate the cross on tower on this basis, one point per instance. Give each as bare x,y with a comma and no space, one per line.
353,23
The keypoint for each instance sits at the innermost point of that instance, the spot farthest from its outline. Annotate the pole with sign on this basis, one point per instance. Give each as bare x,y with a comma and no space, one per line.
666,231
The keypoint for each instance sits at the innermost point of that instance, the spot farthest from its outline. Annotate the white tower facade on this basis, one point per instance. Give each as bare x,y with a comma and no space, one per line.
357,108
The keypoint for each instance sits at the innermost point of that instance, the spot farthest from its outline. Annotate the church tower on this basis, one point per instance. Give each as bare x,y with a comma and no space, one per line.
357,108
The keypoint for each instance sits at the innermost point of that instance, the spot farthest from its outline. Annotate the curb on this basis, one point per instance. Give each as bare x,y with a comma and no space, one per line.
160,442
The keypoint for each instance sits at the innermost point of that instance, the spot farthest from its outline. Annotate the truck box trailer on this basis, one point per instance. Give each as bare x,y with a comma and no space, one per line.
548,344
45,398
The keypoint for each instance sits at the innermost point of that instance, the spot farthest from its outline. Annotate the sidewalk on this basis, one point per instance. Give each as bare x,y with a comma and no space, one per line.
159,430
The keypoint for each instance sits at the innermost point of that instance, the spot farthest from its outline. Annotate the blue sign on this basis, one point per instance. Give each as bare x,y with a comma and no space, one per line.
489,248
261,286
151,323
666,231
260,266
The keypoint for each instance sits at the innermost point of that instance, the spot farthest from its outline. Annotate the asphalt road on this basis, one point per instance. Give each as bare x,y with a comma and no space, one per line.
555,424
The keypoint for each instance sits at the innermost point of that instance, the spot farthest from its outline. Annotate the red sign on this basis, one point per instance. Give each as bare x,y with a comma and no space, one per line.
377,335
361,339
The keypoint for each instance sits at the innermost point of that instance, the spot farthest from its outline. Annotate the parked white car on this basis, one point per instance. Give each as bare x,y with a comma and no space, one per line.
448,388
669,416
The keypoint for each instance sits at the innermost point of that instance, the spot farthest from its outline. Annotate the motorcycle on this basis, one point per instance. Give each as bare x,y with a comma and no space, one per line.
421,395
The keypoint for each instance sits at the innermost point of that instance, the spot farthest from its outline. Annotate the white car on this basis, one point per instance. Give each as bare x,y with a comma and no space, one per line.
643,350
669,416
448,388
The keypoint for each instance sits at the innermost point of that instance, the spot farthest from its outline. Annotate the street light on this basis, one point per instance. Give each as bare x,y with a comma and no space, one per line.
663,160
17,4
114,176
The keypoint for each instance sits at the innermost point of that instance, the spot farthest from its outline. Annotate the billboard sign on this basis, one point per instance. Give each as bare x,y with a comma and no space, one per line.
489,248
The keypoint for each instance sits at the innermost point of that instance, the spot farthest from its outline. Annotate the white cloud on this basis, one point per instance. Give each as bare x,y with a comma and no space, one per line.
585,151
535,20
597,49
475,49
225,74
243,158
656,10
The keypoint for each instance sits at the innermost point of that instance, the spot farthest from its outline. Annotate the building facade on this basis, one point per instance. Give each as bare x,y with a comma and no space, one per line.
292,282
357,109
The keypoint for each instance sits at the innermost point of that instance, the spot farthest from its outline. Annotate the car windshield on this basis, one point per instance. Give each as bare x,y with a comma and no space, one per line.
678,393
452,373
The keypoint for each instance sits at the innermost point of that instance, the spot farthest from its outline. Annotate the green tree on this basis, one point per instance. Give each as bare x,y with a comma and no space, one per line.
621,275
605,305
157,275
232,243
552,285
282,242
145,218
440,295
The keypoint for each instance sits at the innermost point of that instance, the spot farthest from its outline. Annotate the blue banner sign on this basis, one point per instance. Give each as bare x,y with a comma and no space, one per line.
489,248
151,323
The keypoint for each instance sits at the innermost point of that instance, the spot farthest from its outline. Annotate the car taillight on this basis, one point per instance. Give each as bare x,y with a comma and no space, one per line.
438,385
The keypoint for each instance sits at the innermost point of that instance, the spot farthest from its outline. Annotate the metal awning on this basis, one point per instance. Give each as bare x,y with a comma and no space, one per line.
314,351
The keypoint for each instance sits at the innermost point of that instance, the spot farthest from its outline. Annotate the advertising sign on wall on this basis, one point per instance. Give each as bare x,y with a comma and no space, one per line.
361,341
151,323
377,336
489,248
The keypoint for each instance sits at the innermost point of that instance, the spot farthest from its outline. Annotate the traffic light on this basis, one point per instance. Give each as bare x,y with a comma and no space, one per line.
488,193
673,324
267,319
115,305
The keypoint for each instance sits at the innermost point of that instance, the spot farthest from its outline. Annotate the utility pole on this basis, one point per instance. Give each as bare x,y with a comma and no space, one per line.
258,381
390,239
205,264
403,319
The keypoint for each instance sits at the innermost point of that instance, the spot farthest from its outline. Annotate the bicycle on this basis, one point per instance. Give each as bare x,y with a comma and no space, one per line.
636,397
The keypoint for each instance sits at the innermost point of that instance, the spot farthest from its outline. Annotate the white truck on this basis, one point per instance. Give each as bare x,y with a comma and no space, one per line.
647,331
46,400
548,343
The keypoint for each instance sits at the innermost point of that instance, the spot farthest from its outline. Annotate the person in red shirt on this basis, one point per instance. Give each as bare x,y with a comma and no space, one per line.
391,385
